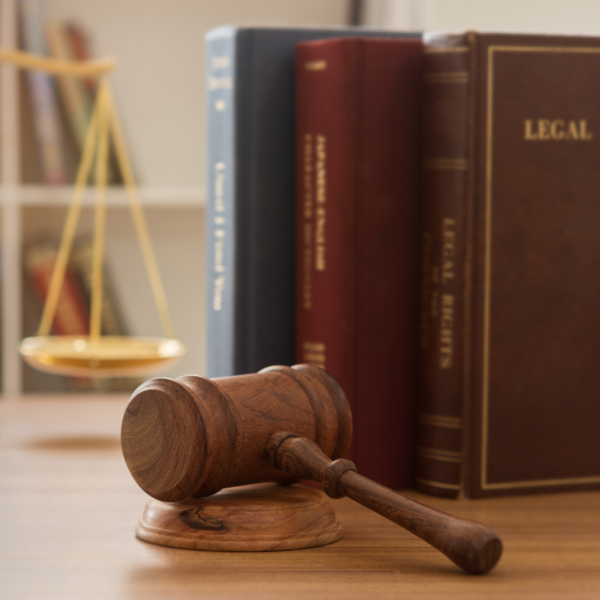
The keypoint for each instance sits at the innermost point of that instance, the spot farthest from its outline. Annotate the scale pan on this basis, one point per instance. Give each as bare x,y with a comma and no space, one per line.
110,356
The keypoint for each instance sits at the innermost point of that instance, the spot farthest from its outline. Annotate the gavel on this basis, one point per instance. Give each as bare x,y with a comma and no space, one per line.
192,437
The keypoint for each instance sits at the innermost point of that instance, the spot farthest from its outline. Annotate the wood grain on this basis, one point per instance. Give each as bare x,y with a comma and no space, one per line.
472,546
194,436
68,509
250,518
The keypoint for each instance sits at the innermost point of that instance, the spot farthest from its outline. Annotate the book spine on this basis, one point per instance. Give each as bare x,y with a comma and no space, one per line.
357,198
441,452
386,258
78,45
43,100
326,95
74,96
72,316
78,97
220,215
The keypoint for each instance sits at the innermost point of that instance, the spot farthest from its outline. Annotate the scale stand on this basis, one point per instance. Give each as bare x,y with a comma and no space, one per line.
96,355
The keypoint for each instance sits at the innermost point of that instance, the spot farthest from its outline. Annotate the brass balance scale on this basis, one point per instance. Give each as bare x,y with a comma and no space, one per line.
96,355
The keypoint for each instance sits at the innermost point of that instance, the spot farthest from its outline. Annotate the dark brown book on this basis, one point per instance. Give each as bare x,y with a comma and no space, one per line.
358,102
511,256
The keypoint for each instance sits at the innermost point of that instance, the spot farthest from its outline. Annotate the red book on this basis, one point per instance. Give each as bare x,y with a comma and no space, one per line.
358,103
79,47
72,315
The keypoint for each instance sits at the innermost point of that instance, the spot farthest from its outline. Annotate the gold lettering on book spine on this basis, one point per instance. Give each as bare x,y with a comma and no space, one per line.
446,335
307,211
446,331
314,353
321,202
448,249
315,65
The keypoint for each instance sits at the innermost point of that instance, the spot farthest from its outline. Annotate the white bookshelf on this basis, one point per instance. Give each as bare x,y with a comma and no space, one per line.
159,89
11,213
151,197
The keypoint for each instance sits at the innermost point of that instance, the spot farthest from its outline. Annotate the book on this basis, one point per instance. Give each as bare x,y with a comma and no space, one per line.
33,380
511,252
69,42
30,161
250,190
72,313
73,93
358,138
46,119
78,44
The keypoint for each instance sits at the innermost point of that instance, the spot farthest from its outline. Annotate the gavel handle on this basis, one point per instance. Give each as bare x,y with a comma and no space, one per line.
472,546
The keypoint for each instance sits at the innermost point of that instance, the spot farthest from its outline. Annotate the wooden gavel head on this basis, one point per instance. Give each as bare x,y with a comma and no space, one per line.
194,436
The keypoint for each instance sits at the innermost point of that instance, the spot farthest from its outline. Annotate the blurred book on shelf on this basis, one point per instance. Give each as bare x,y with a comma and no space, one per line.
79,45
43,101
72,311
57,110
75,97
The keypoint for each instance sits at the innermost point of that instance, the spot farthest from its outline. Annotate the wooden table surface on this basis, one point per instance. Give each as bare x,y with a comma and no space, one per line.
68,508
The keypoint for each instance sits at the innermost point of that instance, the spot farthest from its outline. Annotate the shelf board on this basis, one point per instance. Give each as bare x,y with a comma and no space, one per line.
151,197
33,397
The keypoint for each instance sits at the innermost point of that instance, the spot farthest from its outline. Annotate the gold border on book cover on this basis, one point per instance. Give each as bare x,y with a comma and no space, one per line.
488,270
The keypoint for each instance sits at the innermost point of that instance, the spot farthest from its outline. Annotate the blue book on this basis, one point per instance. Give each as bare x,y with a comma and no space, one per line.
251,194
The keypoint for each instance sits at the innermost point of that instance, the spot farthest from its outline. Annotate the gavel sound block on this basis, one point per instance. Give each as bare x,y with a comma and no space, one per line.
185,440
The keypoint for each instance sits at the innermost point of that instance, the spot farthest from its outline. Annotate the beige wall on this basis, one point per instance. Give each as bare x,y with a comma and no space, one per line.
577,16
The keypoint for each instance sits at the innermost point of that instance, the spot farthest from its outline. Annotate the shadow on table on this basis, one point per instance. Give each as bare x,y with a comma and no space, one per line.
81,443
